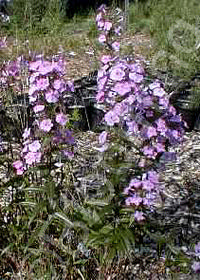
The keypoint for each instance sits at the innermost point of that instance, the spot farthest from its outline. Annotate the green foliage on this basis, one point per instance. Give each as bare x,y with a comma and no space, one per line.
174,25
27,14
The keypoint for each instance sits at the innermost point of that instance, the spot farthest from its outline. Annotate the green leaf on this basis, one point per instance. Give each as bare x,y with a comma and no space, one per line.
63,217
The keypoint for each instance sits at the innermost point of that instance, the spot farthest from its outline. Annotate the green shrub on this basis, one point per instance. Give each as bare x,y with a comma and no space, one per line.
175,27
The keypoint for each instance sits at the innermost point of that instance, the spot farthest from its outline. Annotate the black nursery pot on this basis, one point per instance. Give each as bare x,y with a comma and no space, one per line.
90,118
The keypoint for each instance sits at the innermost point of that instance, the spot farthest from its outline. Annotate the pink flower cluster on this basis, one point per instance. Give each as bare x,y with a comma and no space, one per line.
30,154
11,77
196,265
143,191
143,110
109,29
47,86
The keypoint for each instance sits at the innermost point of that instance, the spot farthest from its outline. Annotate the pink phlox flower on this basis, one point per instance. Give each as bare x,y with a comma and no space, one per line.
176,119
13,68
136,200
61,119
34,65
160,147
111,94
45,68
116,46
122,64
154,85
68,154
107,25
147,101
142,162
130,99
38,157
127,190
151,132
42,83
32,157
59,85
197,249
172,110
20,171
196,267
100,24
132,127
46,125
117,74
34,146
150,198
102,38
99,17
147,185
102,9
27,132
160,92
52,96
149,151
120,109
33,98
59,66
111,118
161,125
122,88
137,78
33,88
139,216
105,59
38,108
25,149
118,30
102,83
70,86
101,73
100,97
175,133
18,164
103,137
164,101
137,68
135,183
